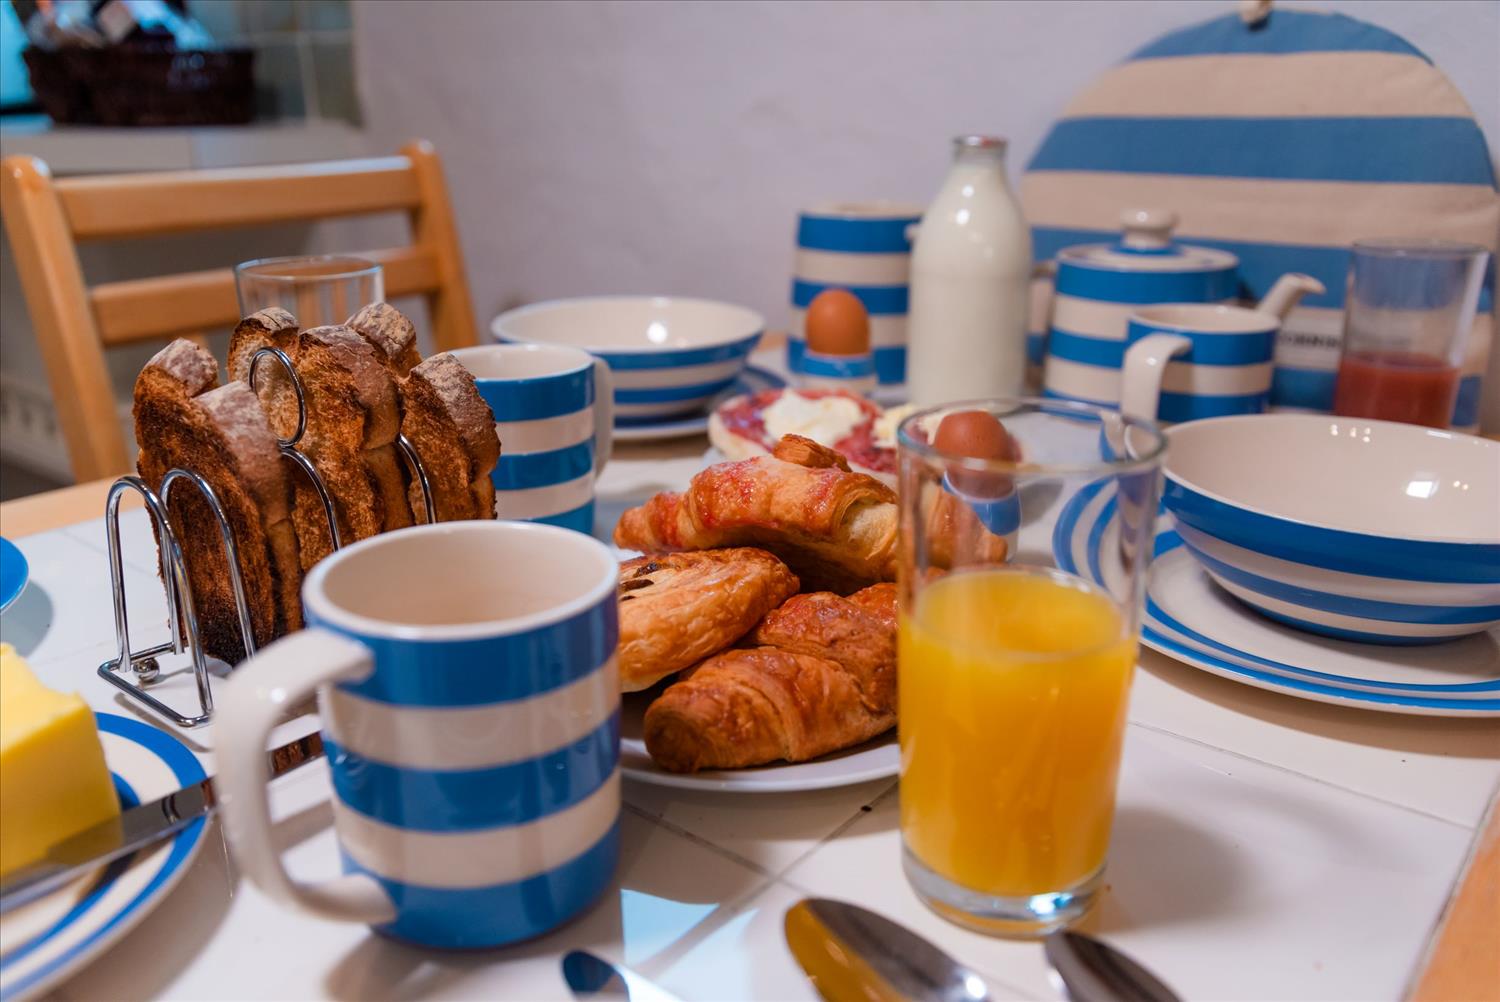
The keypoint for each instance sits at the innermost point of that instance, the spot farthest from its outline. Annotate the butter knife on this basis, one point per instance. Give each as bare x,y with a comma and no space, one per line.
136,828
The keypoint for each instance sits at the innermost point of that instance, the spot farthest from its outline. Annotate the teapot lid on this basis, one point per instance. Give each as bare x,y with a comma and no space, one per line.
1146,244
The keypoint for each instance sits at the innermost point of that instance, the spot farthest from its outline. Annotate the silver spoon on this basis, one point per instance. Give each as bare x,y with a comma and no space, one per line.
848,952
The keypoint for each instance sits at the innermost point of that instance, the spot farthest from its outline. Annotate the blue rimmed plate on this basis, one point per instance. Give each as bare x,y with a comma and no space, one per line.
12,573
49,939
752,380
1189,618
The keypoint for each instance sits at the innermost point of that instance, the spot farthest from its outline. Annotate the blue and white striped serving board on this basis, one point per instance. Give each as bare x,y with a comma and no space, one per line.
1282,143
1189,618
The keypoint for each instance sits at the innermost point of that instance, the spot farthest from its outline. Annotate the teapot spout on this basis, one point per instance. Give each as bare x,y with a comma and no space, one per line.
1288,290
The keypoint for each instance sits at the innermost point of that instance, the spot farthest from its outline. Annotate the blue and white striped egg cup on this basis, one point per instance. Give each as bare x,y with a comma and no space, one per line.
1185,362
1360,530
669,355
866,249
554,414
1000,515
850,373
470,700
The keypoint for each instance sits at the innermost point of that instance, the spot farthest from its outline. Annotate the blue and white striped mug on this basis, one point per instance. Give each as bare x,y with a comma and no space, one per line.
470,700
554,413
1186,361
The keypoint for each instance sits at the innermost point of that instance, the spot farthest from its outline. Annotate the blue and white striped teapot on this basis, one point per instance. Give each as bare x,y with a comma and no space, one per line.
1100,285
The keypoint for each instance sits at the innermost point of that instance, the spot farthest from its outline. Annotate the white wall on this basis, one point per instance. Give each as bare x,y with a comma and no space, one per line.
643,147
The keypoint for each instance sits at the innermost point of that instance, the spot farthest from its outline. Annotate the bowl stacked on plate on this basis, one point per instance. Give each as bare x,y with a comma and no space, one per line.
1363,530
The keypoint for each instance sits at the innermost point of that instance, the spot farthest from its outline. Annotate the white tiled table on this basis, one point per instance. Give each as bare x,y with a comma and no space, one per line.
1265,847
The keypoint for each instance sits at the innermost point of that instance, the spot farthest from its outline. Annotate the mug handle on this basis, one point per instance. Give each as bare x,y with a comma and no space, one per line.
1145,366
604,414
255,701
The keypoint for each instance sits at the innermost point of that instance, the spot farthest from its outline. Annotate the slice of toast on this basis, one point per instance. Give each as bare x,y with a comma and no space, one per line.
352,422
183,419
392,334
443,416
272,327
452,430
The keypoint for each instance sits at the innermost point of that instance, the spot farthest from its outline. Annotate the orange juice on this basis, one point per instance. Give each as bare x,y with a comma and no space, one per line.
1013,687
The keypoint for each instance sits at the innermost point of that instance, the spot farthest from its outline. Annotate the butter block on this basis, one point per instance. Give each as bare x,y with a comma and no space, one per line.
53,779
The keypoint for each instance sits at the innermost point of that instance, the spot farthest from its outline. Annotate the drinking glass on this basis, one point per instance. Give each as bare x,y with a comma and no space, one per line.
1021,584
317,290
1406,327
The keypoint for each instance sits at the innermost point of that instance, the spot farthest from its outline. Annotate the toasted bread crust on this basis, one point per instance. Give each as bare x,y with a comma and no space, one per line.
391,334
221,434
452,430
352,422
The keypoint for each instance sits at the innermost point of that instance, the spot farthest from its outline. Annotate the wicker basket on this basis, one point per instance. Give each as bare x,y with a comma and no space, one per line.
140,85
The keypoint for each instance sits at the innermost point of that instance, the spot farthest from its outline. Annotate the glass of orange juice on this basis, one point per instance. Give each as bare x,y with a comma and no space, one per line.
1013,675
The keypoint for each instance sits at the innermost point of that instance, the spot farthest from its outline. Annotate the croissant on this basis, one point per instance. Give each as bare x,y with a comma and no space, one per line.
828,683
834,528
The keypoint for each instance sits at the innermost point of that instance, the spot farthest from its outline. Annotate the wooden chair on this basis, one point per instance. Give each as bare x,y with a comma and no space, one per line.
75,323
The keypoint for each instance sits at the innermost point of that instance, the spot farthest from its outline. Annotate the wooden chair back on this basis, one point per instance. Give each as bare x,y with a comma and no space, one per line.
75,323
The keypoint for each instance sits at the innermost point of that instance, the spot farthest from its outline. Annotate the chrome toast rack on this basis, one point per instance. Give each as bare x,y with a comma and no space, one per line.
182,617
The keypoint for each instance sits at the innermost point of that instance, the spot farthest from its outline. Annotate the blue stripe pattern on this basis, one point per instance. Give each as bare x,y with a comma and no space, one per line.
838,366
1284,676
1333,549
1309,388
1112,286
627,361
846,241
1212,347
1347,605
1178,407
673,394
1001,516
878,300
471,918
1466,407
538,397
482,802
890,361
1392,149
490,669
1106,352
454,800
854,235
556,460
580,519
526,470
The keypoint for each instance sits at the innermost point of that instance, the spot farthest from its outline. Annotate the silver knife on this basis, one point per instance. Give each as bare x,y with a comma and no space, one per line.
136,828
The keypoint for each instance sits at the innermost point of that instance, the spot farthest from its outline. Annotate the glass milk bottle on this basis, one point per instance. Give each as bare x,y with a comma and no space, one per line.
970,281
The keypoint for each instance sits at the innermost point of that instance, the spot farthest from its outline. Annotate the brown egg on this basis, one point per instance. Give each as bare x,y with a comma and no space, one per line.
837,324
981,435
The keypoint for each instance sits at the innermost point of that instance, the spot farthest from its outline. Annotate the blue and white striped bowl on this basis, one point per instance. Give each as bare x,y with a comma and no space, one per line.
1362,530
669,355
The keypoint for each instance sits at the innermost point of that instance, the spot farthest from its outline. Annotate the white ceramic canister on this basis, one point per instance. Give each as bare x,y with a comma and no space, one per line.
970,283
1100,285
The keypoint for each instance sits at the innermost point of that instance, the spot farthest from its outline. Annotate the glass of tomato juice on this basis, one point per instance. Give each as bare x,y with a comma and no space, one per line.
1407,319
1021,582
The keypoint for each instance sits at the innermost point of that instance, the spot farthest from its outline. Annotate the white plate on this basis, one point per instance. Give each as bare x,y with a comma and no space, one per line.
1190,618
752,380
877,759
47,940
